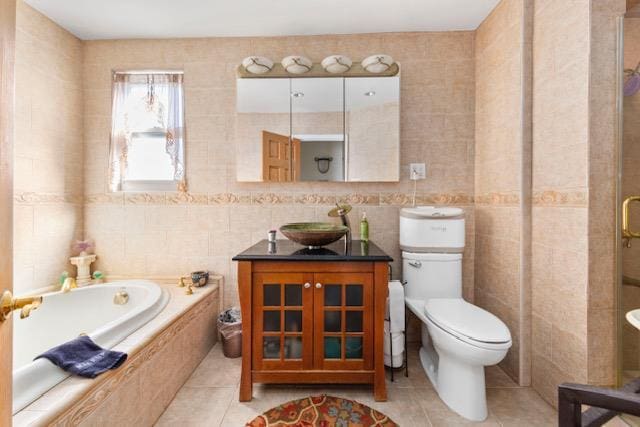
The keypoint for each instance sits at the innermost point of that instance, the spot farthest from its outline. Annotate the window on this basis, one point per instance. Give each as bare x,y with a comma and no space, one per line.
147,136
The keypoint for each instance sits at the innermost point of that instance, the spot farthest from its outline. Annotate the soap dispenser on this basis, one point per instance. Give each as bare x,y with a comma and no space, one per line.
364,228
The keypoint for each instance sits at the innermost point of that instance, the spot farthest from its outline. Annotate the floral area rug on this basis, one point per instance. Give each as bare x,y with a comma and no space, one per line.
322,411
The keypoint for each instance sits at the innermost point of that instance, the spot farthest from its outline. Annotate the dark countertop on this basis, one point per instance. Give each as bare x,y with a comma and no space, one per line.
286,250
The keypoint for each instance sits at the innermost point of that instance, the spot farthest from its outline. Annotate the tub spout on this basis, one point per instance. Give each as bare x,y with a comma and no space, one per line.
26,305
27,309
121,297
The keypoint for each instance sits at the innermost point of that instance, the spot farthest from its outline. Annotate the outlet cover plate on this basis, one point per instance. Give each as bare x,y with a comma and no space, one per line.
417,171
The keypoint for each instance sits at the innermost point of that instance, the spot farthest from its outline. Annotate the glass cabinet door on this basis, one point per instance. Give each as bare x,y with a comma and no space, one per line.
343,305
283,323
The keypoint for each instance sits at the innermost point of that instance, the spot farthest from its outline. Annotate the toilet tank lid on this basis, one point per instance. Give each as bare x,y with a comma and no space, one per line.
432,212
429,256
460,317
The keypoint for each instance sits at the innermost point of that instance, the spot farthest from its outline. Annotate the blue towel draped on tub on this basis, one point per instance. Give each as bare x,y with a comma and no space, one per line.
84,358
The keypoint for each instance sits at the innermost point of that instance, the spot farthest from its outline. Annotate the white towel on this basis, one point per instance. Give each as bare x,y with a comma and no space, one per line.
395,306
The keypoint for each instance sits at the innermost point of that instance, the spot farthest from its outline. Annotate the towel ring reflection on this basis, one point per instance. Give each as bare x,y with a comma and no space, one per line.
323,167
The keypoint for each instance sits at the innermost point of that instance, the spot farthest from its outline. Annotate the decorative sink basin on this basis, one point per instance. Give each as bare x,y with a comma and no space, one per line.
313,234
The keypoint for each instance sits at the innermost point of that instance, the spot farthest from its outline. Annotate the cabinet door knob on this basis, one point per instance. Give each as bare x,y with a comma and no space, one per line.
318,285
307,285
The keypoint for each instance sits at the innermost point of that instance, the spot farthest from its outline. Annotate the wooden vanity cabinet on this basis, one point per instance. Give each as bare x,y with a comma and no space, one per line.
312,322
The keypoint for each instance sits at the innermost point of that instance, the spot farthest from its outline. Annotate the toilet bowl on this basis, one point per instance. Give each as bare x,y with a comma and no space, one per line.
458,338
458,341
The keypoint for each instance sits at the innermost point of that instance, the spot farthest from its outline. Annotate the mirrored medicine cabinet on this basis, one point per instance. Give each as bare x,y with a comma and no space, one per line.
340,129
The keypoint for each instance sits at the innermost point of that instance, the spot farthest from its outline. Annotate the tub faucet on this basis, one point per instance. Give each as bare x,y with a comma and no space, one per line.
26,305
69,283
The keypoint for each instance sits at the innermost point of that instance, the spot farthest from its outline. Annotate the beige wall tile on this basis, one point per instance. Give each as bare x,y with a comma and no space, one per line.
573,152
433,131
49,149
499,138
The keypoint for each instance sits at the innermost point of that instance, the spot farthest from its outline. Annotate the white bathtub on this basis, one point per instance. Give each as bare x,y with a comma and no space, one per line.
62,317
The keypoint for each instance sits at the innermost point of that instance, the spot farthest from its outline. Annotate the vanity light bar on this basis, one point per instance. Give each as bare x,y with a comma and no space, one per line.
378,65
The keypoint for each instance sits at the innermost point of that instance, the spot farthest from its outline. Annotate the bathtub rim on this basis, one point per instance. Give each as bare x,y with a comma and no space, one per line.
36,378
57,402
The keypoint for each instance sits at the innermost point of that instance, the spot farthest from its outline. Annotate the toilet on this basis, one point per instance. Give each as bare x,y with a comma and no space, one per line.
458,338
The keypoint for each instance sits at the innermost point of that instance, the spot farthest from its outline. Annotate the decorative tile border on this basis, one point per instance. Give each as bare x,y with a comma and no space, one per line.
559,198
28,198
506,199
540,198
262,199
104,199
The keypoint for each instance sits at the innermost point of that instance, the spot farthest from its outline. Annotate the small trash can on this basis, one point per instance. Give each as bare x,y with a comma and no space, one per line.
230,329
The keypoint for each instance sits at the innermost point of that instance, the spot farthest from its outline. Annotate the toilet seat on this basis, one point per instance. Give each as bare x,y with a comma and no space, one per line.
468,323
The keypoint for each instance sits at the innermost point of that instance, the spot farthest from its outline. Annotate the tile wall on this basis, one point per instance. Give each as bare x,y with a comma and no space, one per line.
604,135
176,233
49,150
573,228
501,184
560,194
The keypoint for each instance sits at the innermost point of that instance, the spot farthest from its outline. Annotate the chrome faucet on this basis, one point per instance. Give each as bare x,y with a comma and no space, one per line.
26,305
342,212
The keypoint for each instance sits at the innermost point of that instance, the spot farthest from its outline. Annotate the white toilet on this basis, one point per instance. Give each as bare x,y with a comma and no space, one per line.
458,338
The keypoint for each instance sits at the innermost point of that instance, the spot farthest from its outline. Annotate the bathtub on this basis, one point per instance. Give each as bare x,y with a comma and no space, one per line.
62,317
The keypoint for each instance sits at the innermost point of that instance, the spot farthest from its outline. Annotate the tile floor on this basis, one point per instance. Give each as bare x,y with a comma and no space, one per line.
210,398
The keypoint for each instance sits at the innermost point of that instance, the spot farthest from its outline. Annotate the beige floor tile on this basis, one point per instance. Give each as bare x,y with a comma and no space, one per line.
520,407
496,378
624,421
402,407
216,371
198,406
440,415
210,398
264,398
417,376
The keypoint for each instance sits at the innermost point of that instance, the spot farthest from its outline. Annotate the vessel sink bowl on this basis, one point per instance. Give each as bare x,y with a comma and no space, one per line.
313,234
633,317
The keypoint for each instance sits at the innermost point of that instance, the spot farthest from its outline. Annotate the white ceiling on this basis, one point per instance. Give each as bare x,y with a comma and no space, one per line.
118,19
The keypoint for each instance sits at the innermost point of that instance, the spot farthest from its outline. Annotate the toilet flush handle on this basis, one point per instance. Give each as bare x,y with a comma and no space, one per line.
415,264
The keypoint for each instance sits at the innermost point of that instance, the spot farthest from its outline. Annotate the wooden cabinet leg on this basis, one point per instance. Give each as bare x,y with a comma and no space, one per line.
380,388
246,388
245,291
380,302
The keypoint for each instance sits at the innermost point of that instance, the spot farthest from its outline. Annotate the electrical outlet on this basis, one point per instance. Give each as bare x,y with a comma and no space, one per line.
417,171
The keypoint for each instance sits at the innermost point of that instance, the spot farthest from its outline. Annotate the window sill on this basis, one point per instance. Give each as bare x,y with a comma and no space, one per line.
143,186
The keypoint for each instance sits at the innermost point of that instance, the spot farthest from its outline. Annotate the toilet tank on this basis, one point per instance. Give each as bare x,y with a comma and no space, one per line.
432,229
432,275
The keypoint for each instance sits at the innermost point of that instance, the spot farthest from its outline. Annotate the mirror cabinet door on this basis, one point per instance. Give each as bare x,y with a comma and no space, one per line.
372,117
263,127
317,128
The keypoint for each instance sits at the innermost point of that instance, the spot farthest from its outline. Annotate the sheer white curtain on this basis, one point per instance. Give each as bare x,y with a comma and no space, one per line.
175,127
119,131
142,103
